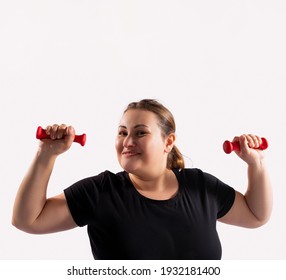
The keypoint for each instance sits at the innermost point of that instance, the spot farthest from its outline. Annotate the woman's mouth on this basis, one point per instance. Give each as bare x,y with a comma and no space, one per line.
130,153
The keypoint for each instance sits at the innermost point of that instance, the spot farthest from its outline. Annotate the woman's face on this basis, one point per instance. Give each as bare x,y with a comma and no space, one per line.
140,147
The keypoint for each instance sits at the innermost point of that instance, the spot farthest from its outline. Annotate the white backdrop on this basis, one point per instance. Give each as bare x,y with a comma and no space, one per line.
219,66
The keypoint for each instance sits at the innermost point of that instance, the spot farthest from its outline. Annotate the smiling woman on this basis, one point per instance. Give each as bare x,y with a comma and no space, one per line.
166,122
153,209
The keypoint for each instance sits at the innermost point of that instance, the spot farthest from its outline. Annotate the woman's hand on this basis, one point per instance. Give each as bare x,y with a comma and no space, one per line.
249,151
61,139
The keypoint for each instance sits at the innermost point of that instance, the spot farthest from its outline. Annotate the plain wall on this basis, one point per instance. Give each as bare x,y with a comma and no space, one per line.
219,66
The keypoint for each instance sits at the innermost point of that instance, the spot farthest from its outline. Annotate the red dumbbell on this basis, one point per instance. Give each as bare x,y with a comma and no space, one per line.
41,134
228,146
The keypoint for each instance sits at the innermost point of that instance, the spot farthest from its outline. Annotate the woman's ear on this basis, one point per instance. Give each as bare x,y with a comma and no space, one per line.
170,142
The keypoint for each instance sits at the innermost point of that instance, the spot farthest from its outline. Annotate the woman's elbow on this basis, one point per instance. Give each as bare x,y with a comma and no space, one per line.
20,225
259,222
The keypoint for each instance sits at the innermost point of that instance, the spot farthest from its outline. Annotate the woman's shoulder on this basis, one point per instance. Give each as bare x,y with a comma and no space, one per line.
101,180
195,176
189,172
108,177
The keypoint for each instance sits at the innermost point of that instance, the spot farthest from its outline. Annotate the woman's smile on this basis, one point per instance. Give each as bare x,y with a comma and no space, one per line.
130,153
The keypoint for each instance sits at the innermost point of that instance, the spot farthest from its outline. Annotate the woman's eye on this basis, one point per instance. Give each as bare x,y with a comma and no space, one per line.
141,133
122,133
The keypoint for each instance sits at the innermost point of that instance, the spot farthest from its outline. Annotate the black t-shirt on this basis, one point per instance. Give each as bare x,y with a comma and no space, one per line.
123,224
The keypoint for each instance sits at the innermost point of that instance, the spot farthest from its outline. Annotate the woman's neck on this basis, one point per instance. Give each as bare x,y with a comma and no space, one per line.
164,186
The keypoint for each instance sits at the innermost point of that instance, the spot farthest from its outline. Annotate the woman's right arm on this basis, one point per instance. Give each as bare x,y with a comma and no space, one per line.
33,212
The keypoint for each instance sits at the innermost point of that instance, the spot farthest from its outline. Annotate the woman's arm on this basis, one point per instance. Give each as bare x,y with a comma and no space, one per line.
33,212
253,209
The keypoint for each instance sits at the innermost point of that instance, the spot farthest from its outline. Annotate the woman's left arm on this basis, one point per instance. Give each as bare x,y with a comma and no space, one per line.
253,209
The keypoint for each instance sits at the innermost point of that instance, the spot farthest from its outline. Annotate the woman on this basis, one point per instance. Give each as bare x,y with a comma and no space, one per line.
155,208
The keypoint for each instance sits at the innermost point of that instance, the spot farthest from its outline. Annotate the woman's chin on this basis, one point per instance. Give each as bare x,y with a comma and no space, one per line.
129,168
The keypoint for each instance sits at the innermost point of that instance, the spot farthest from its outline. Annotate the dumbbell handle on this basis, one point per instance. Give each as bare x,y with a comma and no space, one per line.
228,146
41,134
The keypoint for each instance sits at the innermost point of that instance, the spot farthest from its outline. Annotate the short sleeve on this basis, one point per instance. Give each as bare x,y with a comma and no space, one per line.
223,193
82,198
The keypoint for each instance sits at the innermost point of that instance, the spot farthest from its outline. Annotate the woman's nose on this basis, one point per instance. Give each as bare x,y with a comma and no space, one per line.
129,141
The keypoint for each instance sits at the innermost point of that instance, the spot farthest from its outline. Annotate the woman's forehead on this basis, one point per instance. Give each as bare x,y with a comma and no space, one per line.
138,117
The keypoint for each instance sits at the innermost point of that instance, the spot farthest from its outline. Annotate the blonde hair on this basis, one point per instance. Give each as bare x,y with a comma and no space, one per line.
167,124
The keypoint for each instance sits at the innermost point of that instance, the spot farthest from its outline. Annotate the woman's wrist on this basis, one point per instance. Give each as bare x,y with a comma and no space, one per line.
258,164
45,156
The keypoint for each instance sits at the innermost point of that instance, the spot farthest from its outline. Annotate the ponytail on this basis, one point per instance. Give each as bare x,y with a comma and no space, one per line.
175,159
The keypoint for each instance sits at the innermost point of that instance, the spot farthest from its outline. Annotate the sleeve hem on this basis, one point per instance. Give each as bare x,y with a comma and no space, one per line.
227,206
71,206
